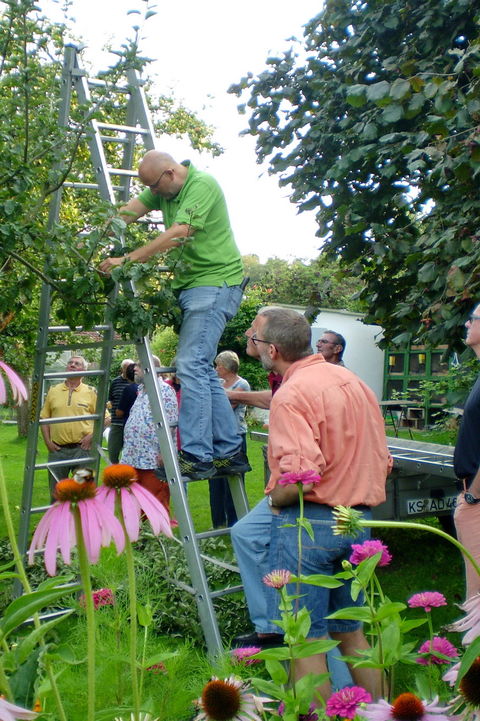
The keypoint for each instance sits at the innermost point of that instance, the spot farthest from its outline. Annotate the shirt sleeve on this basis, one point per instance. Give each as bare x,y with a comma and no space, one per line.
292,444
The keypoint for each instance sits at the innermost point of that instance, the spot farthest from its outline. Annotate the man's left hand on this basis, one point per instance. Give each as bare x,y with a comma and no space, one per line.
107,265
86,442
288,495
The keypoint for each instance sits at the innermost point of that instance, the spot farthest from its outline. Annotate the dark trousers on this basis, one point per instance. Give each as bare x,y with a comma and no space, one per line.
222,508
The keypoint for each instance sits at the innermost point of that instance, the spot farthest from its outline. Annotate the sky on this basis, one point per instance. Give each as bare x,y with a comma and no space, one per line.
199,50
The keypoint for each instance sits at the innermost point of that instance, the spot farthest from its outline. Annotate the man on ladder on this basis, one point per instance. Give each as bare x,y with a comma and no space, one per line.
209,288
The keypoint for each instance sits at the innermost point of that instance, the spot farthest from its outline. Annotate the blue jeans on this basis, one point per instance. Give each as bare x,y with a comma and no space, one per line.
322,555
262,544
207,425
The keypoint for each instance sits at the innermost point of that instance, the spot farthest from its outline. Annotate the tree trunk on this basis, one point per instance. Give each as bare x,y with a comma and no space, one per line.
22,420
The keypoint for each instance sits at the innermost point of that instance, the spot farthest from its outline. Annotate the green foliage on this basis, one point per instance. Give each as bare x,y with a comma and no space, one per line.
164,344
455,385
378,131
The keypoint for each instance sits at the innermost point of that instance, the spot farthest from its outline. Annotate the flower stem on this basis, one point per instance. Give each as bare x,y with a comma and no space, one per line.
17,556
132,594
89,612
422,527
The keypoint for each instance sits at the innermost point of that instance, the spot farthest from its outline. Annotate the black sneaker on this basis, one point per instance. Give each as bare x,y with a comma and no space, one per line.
272,640
233,465
193,467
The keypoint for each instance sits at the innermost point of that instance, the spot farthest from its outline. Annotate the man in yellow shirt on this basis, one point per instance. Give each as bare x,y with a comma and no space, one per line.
70,440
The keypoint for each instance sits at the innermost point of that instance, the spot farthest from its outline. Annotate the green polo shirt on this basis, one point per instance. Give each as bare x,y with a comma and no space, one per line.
210,256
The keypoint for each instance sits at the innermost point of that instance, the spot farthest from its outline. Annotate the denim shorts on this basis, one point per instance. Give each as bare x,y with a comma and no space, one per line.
322,555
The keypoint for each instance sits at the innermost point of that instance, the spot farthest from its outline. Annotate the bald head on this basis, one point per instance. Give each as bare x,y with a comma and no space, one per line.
162,174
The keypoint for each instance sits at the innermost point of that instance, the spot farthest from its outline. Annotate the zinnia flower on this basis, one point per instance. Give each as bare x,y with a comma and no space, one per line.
228,701
10,712
303,477
440,644
56,529
370,548
19,391
347,521
471,622
102,597
406,707
121,479
277,579
345,702
243,655
427,600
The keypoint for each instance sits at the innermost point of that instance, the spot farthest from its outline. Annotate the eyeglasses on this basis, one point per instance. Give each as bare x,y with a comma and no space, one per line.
155,185
325,342
473,317
256,340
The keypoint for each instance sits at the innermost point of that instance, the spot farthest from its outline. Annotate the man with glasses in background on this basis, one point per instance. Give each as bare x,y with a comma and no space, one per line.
467,466
332,346
209,285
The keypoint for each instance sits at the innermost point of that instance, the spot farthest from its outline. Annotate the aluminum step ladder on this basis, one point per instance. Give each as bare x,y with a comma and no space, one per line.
136,131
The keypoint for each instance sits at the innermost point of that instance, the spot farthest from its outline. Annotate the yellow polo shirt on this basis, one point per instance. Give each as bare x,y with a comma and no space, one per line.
61,402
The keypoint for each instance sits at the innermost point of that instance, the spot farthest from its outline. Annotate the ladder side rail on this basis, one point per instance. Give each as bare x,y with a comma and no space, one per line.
42,334
203,598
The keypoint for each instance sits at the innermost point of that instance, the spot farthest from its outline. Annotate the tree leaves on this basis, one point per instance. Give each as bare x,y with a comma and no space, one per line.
393,140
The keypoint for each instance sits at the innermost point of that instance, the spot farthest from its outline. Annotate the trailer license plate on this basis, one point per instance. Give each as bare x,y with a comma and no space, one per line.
431,505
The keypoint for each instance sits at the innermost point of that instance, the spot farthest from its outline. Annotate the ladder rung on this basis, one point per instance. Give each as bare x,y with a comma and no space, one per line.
113,139
72,346
77,329
90,186
97,83
124,128
226,591
71,461
69,419
39,509
123,172
74,374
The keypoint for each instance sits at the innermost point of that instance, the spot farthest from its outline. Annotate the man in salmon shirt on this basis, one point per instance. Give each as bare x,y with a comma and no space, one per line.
324,419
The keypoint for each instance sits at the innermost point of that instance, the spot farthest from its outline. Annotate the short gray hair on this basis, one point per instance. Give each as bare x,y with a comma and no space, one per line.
229,360
289,331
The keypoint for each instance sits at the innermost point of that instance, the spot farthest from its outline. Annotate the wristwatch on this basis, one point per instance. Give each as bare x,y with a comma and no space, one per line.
469,498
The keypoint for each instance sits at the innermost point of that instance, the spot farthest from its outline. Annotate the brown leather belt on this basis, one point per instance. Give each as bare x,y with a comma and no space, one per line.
68,445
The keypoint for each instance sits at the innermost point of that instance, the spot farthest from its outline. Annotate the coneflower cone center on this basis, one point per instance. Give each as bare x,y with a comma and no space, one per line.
71,490
119,475
470,684
221,700
407,707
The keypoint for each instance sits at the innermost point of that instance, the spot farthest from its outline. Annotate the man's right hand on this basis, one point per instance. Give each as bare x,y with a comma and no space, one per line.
52,447
107,265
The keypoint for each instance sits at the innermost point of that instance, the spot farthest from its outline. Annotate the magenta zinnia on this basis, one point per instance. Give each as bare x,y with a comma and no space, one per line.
228,700
10,712
345,702
370,548
277,579
302,477
19,391
427,600
120,480
406,707
442,646
471,622
244,655
56,529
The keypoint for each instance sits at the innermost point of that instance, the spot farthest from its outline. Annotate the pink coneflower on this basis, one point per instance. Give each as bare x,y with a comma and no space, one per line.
18,388
427,600
441,645
345,702
120,480
56,529
370,548
228,700
469,686
406,707
303,477
471,622
10,712
243,655
157,668
277,579
102,597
